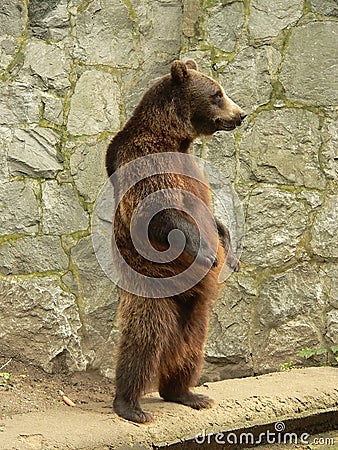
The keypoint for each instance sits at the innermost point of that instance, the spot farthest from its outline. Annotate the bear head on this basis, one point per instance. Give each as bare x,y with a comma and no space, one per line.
210,109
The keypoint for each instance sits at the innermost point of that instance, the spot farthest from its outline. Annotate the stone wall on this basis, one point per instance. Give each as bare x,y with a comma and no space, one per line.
71,72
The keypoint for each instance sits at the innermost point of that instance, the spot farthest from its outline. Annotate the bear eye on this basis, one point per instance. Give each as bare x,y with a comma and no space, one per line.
217,96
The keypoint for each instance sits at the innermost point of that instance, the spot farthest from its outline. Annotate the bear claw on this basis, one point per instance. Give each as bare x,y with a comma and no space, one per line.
131,413
195,401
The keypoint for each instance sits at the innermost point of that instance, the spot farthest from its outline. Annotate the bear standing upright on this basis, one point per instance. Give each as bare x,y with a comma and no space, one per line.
164,323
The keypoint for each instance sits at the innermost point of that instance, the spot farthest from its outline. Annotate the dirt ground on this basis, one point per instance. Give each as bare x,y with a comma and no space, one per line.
33,415
31,389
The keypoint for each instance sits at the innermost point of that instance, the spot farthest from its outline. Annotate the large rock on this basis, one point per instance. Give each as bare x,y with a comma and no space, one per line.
50,70
8,47
19,103
19,208
257,66
99,302
40,322
87,166
98,290
278,346
191,14
95,104
328,7
325,229
32,254
34,153
283,147
52,109
12,17
104,34
288,317
329,275
275,221
332,327
163,32
292,294
220,34
230,319
61,209
268,18
329,150
49,19
220,153
308,73
5,137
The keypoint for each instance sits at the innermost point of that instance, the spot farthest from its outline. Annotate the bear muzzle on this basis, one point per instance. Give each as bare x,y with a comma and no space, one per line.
230,123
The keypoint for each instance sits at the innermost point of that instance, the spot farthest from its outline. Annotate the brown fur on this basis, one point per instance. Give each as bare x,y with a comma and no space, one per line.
163,338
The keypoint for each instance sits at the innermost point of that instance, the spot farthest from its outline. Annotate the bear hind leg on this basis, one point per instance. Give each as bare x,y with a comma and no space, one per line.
137,366
132,375
182,365
147,325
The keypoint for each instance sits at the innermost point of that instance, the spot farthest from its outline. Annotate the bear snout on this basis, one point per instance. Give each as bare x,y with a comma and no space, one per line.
230,123
240,117
243,115
233,112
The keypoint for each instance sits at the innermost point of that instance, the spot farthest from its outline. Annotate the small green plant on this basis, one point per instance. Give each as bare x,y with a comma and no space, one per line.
5,380
334,350
287,366
308,352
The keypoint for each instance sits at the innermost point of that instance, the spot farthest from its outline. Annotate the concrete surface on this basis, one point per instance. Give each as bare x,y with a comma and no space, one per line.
239,403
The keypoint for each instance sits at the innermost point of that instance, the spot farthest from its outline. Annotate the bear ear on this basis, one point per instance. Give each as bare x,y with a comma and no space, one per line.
179,71
191,64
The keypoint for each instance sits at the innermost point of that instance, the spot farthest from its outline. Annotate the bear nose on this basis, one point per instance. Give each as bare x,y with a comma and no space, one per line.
243,116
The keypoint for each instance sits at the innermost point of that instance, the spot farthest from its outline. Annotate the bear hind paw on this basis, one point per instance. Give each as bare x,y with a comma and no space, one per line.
132,413
195,401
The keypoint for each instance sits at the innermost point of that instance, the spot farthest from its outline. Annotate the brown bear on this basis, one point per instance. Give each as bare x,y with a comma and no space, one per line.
164,326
